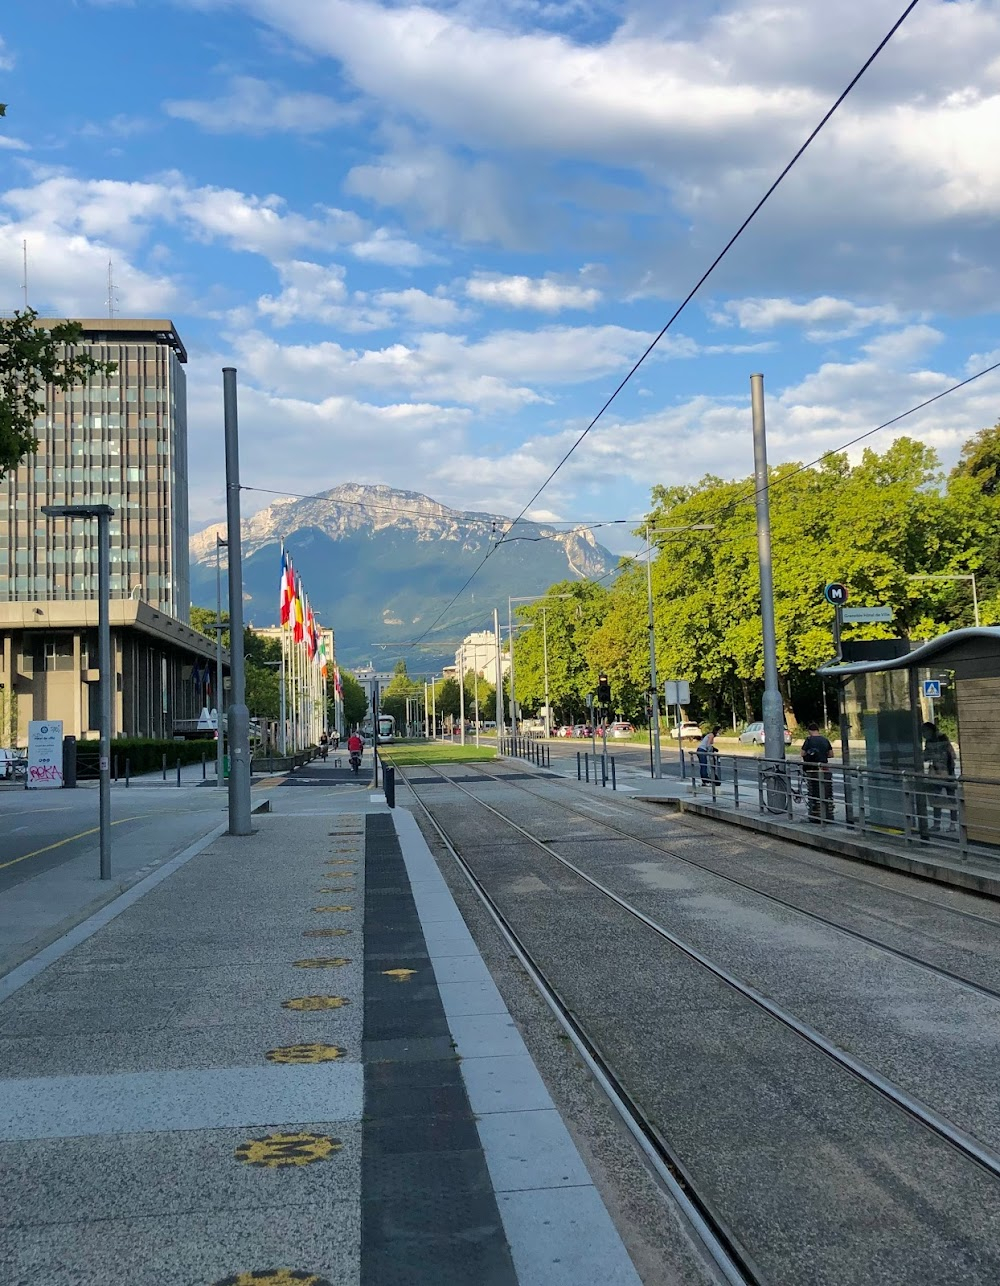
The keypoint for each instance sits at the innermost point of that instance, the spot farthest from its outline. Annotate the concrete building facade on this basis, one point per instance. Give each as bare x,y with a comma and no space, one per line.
480,656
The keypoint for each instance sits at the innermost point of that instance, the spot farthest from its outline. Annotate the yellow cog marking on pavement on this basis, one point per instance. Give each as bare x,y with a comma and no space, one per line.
399,975
274,1277
279,1150
334,908
304,1054
325,933
315,1002
341,861
322,962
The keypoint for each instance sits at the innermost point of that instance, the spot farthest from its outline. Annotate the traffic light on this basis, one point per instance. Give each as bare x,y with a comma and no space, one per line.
603,690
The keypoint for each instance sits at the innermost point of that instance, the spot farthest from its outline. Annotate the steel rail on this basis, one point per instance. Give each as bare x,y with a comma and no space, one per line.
690,818
895,1094
708,1229
938,970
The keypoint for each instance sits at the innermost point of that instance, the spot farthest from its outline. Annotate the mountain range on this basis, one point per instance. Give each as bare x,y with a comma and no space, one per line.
380,564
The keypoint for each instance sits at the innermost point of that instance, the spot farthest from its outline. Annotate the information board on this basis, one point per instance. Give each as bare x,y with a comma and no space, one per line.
45,754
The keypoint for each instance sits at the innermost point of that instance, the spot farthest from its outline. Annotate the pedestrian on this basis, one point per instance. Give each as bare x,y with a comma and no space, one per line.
707,753
939,762
816,752
335,740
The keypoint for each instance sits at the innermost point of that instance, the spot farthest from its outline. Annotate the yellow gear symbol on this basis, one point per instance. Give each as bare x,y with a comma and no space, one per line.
338,875
279,1150
322,962
304,1054
315,1002
399,975
325,933
274,1277
334,908
341,861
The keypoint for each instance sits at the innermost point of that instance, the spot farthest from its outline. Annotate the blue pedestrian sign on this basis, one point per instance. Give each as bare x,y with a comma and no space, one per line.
932,689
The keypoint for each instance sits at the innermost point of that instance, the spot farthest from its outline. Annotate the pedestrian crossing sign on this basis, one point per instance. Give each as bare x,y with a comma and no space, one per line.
932,689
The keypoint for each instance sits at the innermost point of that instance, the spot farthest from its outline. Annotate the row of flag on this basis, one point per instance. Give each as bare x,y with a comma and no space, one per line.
296,614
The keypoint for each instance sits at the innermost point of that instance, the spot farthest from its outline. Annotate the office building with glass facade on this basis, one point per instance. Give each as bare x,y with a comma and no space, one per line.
120,440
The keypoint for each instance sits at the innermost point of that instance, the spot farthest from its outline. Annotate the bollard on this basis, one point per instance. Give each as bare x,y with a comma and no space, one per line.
178,772
604,770
128,770
389,784
164,765
586,765
614,779
116,768
204,767
69,762
578,773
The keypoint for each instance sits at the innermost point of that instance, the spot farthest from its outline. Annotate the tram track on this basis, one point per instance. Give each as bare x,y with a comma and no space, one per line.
726,1248
940,971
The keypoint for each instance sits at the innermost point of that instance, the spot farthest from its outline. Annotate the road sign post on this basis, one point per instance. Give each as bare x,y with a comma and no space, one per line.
677,693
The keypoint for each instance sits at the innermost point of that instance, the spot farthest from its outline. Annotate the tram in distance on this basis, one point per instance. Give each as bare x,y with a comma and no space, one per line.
386,727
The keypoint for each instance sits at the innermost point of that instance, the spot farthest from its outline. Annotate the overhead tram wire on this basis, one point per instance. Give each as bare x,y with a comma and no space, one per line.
697,286
751,496
729,244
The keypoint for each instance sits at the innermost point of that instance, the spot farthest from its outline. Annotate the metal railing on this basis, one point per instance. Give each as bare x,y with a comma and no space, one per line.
915,807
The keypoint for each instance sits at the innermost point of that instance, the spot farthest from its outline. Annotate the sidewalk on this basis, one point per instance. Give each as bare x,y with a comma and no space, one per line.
284,1052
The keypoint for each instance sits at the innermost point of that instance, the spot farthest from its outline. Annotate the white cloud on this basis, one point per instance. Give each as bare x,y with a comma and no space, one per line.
385,247
317,292
13,144
6,57
544,294
253,106
420,307
821,319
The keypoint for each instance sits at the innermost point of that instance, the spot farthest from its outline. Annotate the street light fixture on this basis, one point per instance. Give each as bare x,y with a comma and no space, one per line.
103,515
530,598
955,576
653,686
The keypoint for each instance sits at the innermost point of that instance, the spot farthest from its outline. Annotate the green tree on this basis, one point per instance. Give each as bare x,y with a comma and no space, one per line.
570,623
447,698
31,358
355,700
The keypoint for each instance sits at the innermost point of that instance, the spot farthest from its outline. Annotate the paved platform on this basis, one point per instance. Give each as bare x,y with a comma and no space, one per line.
284,1052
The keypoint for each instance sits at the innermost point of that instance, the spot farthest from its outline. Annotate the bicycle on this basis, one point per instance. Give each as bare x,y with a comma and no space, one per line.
780,787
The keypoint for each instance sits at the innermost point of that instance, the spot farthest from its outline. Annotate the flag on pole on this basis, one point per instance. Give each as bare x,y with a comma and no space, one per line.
310,632
323,660
285,589
297,614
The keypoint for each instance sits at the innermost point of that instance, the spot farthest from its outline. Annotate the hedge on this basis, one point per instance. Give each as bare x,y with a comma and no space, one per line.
144,754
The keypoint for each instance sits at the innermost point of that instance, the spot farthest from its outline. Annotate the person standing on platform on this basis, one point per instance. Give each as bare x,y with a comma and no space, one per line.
939,761
816,752
707,754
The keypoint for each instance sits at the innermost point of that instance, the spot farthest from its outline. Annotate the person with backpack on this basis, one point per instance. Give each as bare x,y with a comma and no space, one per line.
939,761
816,752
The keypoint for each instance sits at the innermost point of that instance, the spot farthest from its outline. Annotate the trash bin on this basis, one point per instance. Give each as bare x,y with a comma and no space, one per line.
225,767
389,784
69,761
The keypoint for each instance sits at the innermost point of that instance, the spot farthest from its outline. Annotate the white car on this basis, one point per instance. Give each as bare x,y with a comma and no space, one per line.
753,734
620,729
686,731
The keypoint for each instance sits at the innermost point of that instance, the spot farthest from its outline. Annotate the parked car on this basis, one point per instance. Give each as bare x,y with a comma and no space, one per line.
7,758
685,731
620,729
753,735
581,730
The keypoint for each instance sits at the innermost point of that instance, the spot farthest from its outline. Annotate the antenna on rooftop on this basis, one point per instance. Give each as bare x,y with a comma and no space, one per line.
111,288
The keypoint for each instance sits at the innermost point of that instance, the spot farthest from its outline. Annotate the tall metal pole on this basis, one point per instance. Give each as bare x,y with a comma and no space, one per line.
773,710
476,672
461,691
434,724
498,701
545,662
282,699
427,714
510,644
220,735
975,601
105,681
239,715
654,690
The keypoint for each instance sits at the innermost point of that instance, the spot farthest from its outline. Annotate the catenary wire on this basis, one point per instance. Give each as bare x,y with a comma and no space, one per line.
687,299
727,247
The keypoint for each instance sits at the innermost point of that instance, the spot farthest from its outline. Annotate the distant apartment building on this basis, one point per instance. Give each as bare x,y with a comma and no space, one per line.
478,655
119,440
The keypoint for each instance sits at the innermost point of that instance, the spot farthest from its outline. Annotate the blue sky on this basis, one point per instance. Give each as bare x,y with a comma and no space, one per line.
432,238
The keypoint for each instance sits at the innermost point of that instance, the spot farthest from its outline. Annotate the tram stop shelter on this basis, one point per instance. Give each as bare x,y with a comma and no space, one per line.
954,681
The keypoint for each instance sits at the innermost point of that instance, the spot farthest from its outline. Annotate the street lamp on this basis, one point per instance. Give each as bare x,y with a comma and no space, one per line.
955,576
654,689
103,515
530,598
